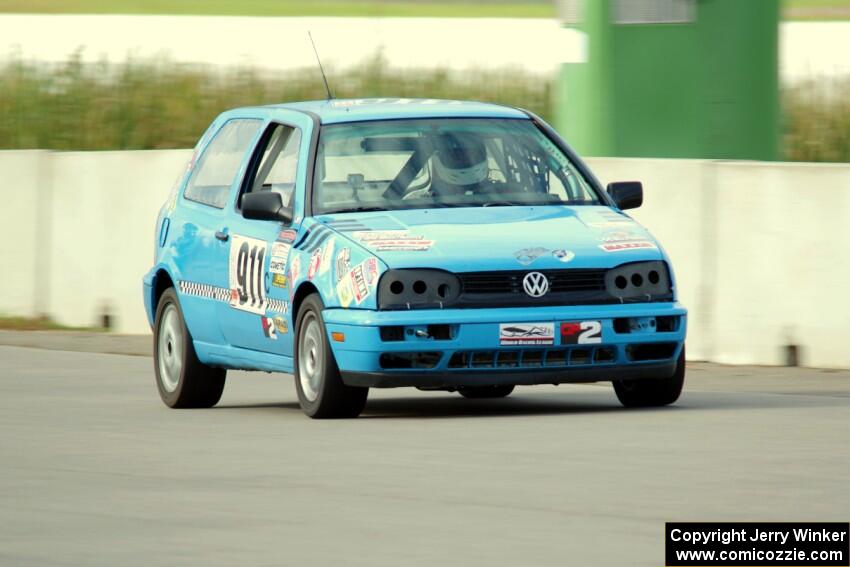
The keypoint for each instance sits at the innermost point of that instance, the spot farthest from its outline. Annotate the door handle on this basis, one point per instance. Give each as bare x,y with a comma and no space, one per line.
221,235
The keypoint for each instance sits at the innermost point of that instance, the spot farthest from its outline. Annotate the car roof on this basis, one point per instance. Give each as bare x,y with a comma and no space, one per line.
361,109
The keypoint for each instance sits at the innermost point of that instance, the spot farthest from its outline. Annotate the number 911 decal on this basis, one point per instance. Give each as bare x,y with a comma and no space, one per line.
581,333
247,274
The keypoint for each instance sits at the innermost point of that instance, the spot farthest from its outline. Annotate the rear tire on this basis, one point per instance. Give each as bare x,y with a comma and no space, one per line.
183,381
652,392
484,392
321,392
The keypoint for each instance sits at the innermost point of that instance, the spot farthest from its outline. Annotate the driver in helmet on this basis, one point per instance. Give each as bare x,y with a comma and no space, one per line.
460,166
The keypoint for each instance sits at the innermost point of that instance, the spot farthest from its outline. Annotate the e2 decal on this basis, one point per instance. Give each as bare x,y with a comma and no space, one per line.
581,333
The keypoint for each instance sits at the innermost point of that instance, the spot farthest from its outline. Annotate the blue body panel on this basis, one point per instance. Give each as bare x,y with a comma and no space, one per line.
331,255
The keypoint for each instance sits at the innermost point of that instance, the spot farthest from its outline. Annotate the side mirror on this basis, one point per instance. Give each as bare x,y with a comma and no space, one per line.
626,194
265,205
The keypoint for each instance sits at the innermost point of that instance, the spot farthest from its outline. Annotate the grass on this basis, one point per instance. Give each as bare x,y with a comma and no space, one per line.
153,105
418,8
816,9
157,104
37,324
817,121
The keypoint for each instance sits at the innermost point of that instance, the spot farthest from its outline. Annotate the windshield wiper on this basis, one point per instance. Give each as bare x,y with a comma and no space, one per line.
508,203
361,209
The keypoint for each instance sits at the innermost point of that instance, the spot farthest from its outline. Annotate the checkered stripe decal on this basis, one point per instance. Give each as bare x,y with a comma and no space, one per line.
223,294
277,305
204,290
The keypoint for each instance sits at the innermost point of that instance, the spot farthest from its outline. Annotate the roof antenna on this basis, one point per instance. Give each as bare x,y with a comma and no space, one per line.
321,69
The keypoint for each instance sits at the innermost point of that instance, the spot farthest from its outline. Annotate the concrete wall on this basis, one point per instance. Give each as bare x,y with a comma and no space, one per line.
25,184
104,209
759,249
79,232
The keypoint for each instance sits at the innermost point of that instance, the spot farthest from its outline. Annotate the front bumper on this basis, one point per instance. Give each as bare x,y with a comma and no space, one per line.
473,354
147,296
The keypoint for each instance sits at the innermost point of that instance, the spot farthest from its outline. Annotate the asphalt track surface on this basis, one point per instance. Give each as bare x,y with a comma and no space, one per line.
96,471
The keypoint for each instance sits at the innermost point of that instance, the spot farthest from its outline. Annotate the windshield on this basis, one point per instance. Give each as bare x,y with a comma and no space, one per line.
410,164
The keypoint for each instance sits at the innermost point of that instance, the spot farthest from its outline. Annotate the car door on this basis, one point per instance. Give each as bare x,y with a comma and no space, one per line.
203,211
257,316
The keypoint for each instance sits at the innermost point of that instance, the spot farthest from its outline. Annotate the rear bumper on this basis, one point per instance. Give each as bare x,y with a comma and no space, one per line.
474,354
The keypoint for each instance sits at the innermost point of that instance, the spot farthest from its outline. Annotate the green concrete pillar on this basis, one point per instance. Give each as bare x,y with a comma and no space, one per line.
672,78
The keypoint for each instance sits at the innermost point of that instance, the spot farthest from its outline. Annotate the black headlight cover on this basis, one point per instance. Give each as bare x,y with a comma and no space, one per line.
639,281
417,289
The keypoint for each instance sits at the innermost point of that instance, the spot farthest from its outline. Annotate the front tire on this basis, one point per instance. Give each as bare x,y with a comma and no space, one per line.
651,392
183,381
321,392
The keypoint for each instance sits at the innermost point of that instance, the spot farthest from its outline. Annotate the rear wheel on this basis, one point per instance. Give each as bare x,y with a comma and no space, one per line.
183,381
649,392
482,392
321,392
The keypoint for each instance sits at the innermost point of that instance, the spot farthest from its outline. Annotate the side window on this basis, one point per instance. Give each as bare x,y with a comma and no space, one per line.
278,164
216,169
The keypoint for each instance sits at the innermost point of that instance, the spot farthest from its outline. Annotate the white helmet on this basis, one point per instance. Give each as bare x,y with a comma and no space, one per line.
461,159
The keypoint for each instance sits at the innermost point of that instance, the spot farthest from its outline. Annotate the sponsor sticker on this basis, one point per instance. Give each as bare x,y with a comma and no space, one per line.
511,334
286,236
276,266
344,291
581,333
563,255
281,249
269,328
607,219
356,285
629,245
279,280
620,236
371,271
528,255
294,269
315,263
280,253
392,240
343,263
280,325
610,224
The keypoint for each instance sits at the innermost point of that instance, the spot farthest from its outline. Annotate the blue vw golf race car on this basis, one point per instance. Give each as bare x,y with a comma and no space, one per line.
382,243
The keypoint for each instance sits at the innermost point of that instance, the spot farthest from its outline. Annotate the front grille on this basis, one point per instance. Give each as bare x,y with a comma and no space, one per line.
531,357
511,281
406,360
504,288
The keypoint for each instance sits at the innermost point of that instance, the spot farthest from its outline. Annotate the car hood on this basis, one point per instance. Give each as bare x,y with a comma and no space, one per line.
499,238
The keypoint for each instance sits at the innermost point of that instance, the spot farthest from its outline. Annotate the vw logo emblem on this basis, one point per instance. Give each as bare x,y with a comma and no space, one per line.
535,284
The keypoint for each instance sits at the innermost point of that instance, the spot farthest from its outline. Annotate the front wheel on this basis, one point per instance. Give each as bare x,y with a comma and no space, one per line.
652,392
321,392
183,381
